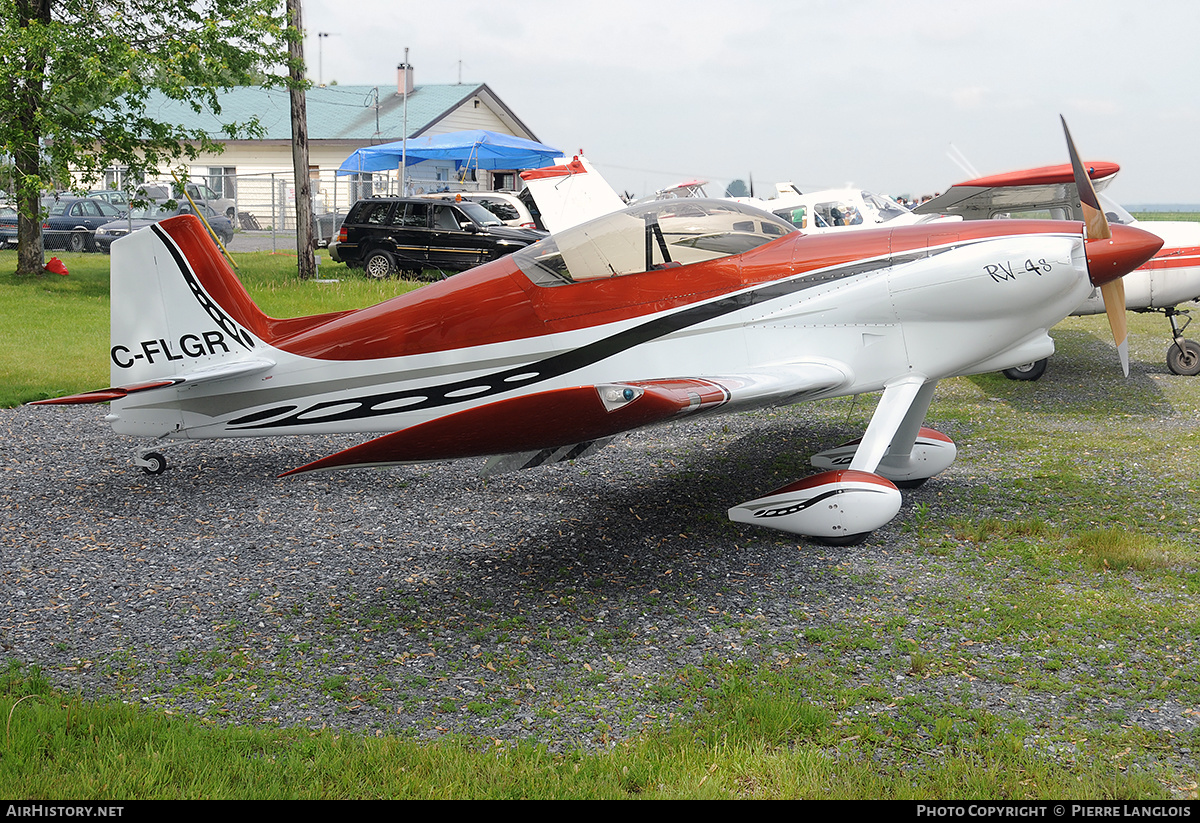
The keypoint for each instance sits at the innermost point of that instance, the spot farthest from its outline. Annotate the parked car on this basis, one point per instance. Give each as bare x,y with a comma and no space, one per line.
8,218
70,224
408,234
114,197
199,192
505,205
139,218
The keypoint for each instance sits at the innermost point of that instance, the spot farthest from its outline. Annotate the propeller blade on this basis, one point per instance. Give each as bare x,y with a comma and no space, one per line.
1093,214
1097,230
1113,293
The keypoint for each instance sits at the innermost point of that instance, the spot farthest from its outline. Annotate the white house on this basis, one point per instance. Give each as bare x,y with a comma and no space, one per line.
257,173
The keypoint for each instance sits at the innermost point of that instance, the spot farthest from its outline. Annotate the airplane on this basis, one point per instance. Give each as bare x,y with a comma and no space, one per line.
642,316
1160,285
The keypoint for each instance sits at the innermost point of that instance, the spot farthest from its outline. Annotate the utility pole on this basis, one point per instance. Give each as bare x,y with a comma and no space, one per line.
305,258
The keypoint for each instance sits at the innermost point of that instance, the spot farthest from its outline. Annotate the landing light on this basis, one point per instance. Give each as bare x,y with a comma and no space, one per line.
614,397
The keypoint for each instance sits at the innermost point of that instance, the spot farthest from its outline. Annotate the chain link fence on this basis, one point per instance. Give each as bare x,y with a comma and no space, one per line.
266,202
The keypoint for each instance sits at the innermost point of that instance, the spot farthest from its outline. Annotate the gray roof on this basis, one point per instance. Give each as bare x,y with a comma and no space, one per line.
334,112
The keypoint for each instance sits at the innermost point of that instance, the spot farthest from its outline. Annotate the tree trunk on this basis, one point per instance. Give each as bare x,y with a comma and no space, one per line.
304,217
27,160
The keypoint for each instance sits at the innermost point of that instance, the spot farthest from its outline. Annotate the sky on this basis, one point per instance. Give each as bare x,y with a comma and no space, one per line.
824,93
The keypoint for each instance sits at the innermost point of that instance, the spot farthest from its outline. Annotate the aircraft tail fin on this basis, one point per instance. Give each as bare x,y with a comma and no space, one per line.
570,194
177,306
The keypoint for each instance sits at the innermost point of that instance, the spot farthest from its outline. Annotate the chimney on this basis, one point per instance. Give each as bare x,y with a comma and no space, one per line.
404,78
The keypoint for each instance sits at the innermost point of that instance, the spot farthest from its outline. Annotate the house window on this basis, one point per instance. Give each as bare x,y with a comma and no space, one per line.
223,181
116,178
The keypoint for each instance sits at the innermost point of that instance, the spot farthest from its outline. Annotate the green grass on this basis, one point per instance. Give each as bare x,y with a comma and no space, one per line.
761,737
1174,216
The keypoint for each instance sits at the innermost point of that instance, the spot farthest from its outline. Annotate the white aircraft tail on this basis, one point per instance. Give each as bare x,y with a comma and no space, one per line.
570,194
177,308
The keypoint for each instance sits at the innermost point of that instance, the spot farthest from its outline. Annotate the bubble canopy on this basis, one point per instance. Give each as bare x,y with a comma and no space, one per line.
658,235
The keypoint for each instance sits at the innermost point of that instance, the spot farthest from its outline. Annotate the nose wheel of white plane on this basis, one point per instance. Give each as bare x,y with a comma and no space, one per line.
1183,357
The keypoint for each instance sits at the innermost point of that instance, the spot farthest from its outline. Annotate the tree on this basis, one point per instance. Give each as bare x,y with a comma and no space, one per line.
76,77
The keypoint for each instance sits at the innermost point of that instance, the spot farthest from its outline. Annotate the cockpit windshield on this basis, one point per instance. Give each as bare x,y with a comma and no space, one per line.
1114,212
658,235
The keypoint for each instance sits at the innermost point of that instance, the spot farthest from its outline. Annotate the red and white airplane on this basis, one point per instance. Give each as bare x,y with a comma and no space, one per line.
641,316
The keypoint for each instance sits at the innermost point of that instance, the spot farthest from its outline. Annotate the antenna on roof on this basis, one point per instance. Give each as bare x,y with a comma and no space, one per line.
321,35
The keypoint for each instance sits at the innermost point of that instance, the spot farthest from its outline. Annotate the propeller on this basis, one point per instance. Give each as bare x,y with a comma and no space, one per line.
1096,228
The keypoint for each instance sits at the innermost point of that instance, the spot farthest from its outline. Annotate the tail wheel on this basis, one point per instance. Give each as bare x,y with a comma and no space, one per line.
153,463
1184,358
379,265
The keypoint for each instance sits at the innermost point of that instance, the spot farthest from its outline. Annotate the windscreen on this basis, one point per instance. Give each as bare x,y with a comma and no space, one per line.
658,235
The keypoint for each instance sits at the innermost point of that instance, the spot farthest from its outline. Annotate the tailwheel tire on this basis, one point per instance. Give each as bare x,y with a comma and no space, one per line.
1029,371
157,463
1184,358
379,265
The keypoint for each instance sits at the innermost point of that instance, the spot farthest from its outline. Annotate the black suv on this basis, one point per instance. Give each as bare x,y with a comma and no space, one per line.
384,235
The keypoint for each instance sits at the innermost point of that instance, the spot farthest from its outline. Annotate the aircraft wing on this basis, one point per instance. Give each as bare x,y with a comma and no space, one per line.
565,422
202,374
1044,188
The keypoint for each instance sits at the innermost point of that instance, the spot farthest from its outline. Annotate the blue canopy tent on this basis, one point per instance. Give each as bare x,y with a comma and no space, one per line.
468,149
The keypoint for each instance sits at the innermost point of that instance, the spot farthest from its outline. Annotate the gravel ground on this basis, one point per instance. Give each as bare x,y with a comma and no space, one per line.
555,604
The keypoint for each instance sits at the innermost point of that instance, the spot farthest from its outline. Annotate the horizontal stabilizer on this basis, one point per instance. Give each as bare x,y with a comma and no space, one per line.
203,374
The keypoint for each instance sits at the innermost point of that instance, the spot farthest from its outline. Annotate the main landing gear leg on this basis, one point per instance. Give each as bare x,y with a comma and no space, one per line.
858,491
